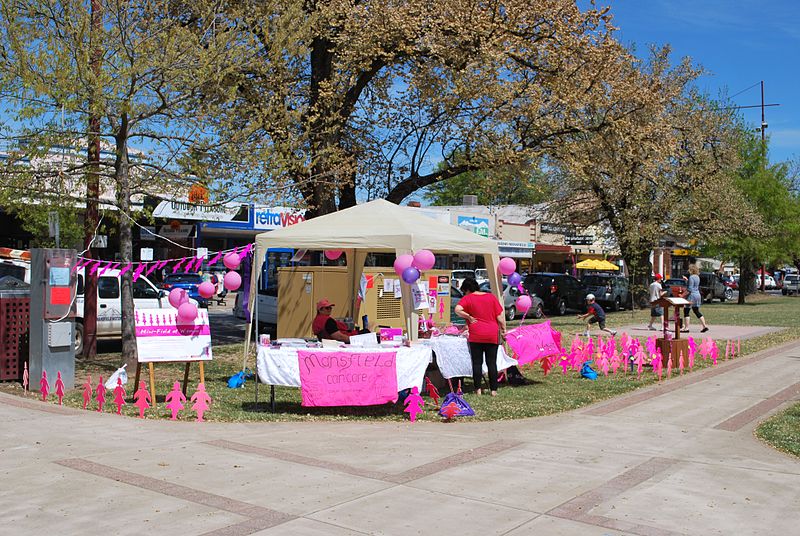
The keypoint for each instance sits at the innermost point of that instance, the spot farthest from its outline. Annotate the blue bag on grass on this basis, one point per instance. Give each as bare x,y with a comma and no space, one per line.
238,379
587,371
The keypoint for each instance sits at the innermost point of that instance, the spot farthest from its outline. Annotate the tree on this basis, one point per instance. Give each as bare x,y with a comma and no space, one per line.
660,166
768,190
155,65
370,96
512,185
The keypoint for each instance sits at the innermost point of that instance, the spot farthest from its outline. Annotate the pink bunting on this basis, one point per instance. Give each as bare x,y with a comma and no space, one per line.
199,263
127,267
152,268
246,251
95,267
178,265
215,259
138,271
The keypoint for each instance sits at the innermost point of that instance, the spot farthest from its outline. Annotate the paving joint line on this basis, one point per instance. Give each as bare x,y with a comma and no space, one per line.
404,477
579,508
743,418
259,517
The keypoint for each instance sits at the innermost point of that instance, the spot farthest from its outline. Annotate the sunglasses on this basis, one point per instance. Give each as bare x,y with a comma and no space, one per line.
327,307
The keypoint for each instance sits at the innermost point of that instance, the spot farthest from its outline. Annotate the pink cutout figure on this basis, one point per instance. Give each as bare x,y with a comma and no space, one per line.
680,361
119,396
669,365
738,345
413,403
546,365
100,393
25,379
60,388
87,392
201,401
639,363
441,309
565,362
432,391
727,349
175,400
142,399
44,386
450,411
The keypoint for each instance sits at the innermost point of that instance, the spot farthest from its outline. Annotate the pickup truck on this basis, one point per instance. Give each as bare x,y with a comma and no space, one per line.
791,284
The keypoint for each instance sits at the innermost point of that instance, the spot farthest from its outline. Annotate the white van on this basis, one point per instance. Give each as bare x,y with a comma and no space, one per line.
109,304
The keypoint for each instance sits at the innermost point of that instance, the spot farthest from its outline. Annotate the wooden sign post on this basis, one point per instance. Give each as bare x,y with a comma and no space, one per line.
672,346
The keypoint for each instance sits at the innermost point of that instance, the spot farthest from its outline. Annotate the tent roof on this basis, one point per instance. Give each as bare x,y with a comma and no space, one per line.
377,226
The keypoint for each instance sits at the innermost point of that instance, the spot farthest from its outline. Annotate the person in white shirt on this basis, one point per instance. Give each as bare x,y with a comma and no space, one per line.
656,292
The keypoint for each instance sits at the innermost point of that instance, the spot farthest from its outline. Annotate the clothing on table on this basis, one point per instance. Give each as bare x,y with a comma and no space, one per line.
479,350
485,309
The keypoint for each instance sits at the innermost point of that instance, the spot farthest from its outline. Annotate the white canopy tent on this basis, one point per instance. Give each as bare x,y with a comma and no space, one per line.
377,226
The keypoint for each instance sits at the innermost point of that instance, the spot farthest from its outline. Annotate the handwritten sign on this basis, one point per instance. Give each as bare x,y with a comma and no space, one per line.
347,379
160,337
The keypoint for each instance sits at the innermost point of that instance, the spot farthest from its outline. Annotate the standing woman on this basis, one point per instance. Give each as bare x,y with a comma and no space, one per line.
696,299
485,318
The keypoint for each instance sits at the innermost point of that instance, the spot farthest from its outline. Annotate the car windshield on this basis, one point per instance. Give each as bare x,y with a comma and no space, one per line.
792,278
461,274
481,273
596,281
184,278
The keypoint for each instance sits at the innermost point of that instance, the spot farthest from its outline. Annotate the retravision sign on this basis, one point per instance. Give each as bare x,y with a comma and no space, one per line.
267,218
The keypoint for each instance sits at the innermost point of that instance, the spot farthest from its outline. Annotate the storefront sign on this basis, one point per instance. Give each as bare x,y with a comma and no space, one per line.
159,336
579,240
479,226
176,231
347,378
556,228
183,210
265,218
147,233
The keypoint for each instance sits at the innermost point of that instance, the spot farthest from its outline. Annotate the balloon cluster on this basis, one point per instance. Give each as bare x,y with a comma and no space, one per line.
179,299
232,279
508,267
408,267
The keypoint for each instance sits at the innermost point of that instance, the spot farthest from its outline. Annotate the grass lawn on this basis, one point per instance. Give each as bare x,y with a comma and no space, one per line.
782,431
542,396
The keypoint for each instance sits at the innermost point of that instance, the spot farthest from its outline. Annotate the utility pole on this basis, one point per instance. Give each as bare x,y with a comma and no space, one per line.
92,185
764,161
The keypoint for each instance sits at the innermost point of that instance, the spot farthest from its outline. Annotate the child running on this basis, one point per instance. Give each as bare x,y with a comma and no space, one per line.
595,314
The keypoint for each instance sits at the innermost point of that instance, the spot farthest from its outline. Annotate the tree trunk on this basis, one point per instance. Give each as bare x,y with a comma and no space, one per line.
639,270
122,171
746,278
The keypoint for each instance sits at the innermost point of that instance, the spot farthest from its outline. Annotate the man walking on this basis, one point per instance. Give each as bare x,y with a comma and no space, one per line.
656,292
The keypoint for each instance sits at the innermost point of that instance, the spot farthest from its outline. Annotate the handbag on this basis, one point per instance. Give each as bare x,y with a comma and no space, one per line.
464,409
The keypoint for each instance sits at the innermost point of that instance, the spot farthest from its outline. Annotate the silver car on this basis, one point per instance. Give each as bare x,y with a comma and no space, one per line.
510,295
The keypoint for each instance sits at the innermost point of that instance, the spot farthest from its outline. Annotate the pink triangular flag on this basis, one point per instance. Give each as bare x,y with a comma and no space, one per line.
152,268
246,250
215,259
127,267
95,267
178,265
138,271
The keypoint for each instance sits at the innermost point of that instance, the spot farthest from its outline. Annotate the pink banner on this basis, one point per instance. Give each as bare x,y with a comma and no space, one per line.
347,378
533,342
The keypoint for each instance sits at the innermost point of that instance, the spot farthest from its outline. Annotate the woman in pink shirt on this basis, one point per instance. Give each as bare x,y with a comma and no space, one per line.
485,318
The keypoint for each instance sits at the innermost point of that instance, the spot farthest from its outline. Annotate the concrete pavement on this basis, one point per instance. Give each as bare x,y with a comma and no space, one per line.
676,458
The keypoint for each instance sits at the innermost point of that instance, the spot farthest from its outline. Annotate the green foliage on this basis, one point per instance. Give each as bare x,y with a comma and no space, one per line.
782,431
513,185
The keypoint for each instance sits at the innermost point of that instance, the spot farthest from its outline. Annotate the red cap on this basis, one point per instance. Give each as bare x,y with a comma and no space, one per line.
324,303
659,277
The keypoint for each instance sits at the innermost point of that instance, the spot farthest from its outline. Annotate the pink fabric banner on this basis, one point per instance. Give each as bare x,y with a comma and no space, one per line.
533,342
347,378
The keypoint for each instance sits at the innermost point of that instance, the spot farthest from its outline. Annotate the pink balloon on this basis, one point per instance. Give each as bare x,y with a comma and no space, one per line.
424,260
206,289
178,297
507,266
187,312
402,262
524,303
232,281
333,254
231,260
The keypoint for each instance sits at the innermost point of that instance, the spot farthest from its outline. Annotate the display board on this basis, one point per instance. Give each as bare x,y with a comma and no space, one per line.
161,338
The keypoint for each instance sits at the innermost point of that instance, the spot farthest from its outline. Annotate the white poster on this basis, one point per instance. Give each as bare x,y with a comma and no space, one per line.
160,337
419,292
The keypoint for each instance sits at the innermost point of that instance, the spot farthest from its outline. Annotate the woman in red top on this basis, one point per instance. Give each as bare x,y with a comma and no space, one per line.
484,316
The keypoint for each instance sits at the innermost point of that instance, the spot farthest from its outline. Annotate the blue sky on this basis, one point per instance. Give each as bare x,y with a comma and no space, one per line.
739,43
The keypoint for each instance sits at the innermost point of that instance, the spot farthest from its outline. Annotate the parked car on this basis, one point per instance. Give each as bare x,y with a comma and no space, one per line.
712,286
558,292
481,275
769,282
109,304
187,281
458,276
668,285
732,282
610,290
791,284
455,297
510,295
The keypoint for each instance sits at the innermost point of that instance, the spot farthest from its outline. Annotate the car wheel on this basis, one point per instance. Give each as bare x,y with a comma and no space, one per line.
539,313
78,338
617,304
511,313
728,295
561,308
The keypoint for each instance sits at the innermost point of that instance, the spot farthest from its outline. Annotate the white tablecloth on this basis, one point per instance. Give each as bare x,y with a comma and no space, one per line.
280,366
454,361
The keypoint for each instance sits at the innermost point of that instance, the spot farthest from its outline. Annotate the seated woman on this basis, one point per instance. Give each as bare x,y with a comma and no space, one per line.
326,327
